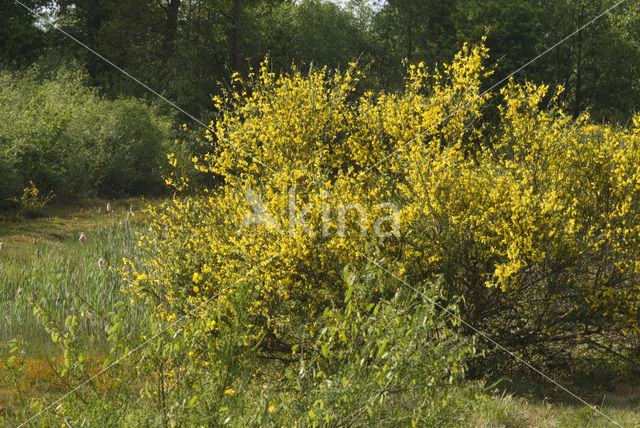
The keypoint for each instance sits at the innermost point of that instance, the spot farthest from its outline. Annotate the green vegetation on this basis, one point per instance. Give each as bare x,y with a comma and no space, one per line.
63,137
362,236
36,360
43,263
201,321
184,49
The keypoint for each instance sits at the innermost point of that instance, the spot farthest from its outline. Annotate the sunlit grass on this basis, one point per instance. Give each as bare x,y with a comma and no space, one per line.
61,275
621,405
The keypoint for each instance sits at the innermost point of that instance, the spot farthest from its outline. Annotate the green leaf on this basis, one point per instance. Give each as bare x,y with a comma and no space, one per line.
193,401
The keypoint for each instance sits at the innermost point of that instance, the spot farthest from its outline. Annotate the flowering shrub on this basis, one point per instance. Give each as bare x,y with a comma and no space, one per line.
32,203
312,136
533,222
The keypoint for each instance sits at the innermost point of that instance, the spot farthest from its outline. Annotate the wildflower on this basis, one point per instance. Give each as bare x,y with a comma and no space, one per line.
108,208
272,409
19,292
82,238
101,263
229,392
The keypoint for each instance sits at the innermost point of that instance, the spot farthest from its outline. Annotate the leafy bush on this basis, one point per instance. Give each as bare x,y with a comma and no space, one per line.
532,222
397,359
31,203
60,134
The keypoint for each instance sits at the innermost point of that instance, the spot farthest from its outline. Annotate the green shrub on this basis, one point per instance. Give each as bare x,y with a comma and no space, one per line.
371,358
59,133
32,203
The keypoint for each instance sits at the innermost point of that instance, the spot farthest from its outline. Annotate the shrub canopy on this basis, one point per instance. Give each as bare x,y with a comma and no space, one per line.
59,134
532,221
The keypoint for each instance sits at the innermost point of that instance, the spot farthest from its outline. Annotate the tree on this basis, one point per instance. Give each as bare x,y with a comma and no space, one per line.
513,29
414,31
21,40
598,66
311,32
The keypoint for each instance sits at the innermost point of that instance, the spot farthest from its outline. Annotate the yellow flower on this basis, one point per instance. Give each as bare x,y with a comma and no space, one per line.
272,409
229,392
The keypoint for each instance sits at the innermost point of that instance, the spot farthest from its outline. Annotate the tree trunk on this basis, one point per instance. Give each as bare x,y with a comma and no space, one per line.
236,35
171,27
578,90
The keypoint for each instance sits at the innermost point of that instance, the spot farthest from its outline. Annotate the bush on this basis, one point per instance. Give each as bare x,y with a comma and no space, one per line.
60,134
31,203
528,229
397,360
369,358
532,222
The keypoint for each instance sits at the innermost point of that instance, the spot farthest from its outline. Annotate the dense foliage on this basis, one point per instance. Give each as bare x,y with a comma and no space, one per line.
67,140
532,224
183,48
356,213
188,50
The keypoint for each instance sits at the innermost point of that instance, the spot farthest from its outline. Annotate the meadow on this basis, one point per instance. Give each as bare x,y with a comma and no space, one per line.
44,265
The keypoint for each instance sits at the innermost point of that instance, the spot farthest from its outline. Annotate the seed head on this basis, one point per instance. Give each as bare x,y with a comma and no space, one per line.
101,263
82,238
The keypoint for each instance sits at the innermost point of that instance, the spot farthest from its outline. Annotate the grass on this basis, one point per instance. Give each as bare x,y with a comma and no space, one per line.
60,274
510,411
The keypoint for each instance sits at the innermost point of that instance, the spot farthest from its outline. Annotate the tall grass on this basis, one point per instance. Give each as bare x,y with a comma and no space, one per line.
62,277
